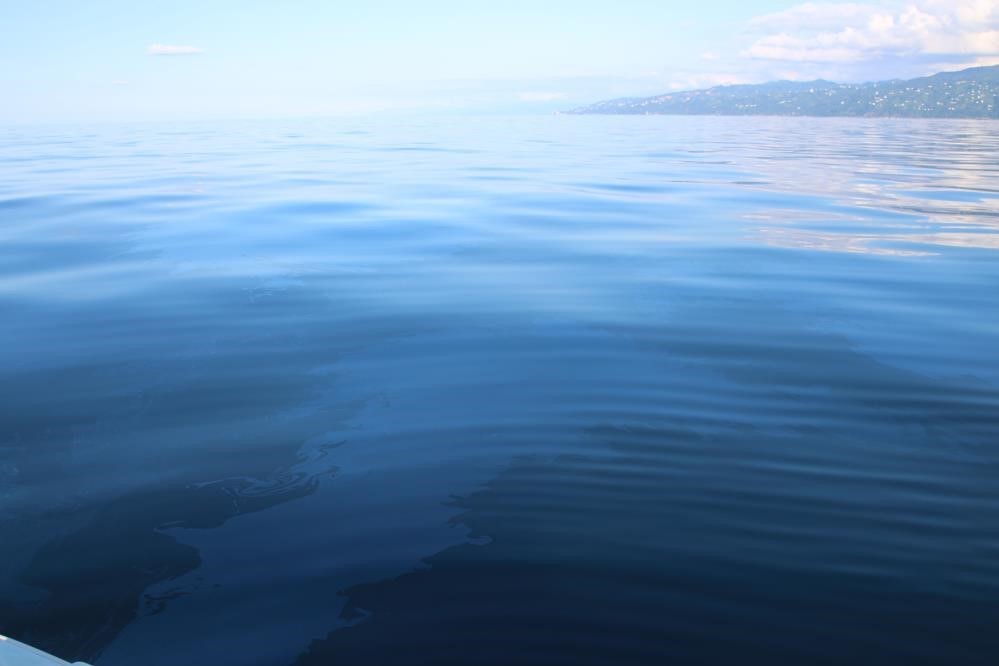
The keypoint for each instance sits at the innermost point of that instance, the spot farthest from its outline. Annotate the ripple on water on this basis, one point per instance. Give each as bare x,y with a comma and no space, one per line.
551,390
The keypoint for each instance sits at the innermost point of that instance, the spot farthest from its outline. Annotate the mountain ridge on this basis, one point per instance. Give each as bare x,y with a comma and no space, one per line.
967,93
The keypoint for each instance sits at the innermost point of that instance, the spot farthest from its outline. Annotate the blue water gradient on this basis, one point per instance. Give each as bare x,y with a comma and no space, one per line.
559,390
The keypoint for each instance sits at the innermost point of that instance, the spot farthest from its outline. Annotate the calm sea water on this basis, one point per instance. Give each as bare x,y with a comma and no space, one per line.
562,390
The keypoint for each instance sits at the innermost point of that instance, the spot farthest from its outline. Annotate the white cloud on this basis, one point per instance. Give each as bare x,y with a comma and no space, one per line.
173,50
954,30
815,15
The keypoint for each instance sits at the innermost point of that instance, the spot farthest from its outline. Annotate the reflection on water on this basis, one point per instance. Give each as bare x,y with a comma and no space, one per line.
557,390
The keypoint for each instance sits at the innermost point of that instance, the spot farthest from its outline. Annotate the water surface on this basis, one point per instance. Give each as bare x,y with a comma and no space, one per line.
609,390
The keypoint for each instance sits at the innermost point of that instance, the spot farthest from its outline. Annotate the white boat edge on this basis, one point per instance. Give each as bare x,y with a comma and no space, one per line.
15,653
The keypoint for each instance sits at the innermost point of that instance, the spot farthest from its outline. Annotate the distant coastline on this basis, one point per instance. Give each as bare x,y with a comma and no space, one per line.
969,93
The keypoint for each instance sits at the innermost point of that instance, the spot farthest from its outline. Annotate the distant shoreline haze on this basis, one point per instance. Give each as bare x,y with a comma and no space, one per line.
969,93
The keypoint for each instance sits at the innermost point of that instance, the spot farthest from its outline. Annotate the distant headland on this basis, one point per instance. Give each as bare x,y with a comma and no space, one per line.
969,93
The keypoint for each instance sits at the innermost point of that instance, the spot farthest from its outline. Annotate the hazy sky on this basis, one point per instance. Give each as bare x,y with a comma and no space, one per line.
68,60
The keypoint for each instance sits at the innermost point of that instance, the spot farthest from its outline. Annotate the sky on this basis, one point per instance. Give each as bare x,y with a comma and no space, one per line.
97,60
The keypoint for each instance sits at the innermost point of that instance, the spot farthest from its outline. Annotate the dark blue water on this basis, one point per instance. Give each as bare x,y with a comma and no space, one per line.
567,390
